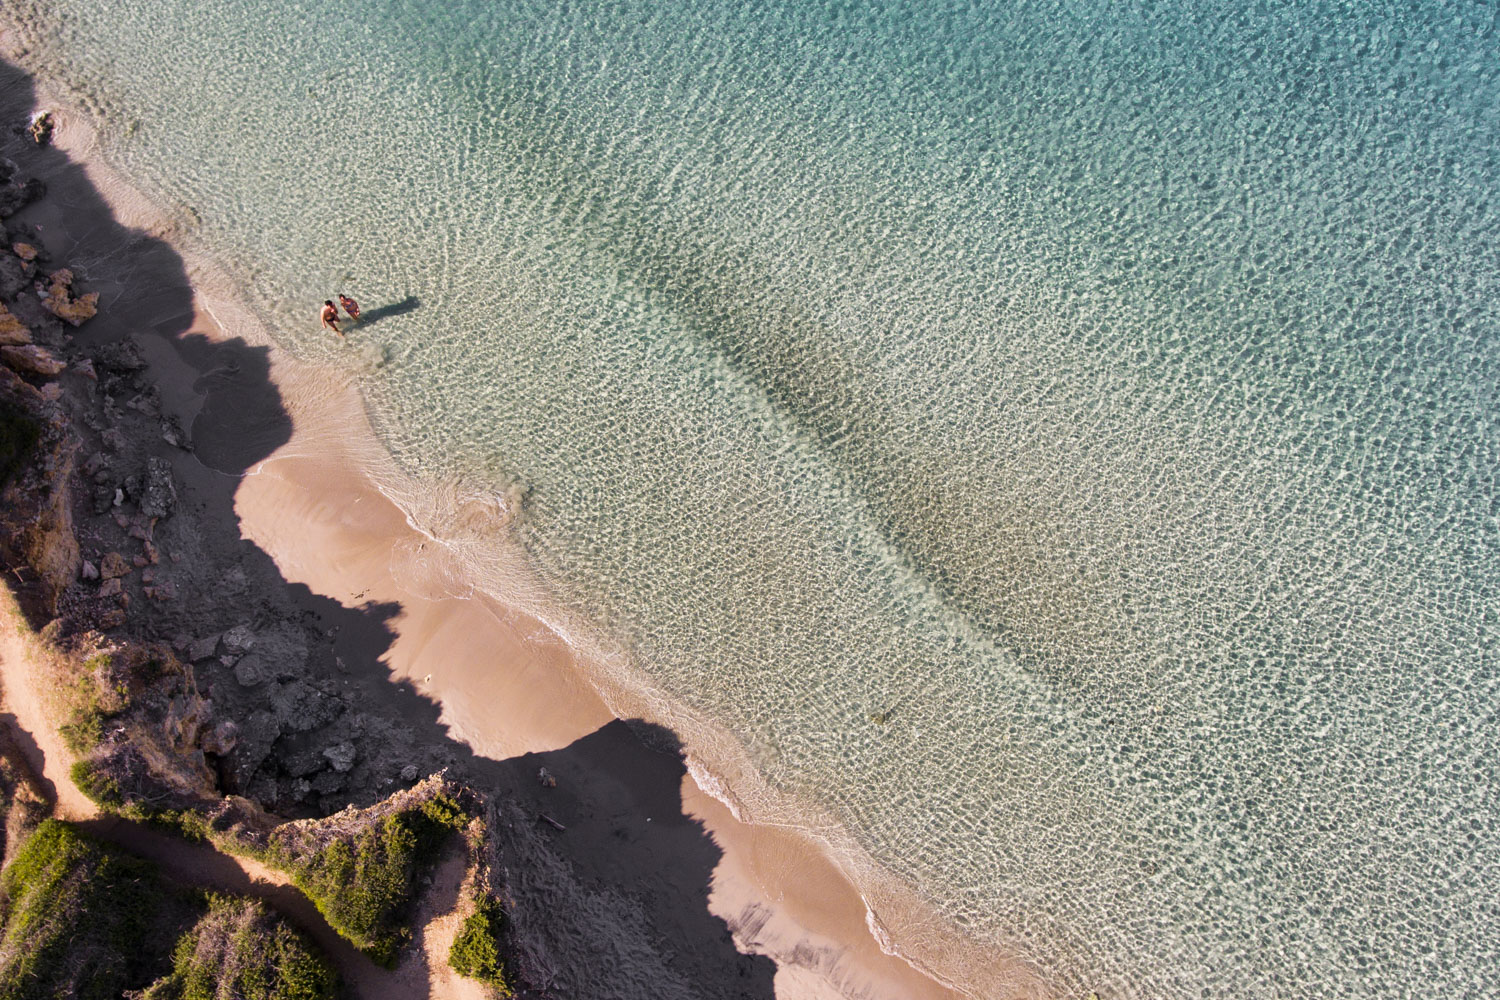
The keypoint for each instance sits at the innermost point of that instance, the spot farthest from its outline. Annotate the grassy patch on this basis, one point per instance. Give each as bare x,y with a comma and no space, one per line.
96,783
81,920
241,949
363,872
476,949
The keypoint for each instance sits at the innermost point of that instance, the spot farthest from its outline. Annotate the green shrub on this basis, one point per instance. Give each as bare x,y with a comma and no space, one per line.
476,949
81,920
96,784
243,950
365,885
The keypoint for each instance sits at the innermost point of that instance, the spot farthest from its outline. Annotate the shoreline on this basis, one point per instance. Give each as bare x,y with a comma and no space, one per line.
313,506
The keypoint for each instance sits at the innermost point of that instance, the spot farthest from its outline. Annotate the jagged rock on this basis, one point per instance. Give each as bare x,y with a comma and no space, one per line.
256,736
251,670
283,649
112,565
15,276
31,358
85,368
120,357
16,195
13,333
171,432
341,756
58,299
110,588
301,707
88,571
25,251
409,772
221,739
159,495
238,640
119,498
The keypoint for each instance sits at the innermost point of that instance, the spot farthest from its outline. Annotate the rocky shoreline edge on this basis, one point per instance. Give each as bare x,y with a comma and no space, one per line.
197,691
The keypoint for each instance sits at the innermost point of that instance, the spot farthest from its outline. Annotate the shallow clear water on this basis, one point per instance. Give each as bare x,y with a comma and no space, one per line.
1057,440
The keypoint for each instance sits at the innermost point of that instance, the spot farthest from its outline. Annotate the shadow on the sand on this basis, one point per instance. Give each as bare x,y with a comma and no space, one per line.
615,905
409,304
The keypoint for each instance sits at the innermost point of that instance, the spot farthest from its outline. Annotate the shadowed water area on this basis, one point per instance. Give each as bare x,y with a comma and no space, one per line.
1057,442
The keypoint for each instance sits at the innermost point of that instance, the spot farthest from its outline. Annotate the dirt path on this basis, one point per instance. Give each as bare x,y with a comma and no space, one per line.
188,863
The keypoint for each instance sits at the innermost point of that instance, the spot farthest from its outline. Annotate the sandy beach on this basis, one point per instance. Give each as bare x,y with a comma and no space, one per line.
501,695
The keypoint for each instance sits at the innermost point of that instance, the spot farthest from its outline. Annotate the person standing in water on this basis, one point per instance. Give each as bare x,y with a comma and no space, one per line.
350,306
331,317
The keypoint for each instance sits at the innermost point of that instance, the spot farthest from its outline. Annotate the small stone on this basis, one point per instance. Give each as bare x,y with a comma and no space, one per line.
119,497
139,562
88,571
341,756
409,772
545,779
110,587
25,251
149,549
164,591
238,640
148,575
86,369
113,565
204,648
250,671
124,598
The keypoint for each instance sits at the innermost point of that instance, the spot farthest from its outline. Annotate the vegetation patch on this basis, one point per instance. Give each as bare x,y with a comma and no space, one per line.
97,783
240,949
362,867
81,920
476,949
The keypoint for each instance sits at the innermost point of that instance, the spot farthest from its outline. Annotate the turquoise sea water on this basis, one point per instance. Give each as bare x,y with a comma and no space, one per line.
1055,440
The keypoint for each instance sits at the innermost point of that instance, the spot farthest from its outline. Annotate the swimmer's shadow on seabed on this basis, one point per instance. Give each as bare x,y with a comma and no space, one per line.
409,304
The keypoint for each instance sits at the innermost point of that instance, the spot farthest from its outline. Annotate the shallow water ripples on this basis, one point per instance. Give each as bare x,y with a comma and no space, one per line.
1057,441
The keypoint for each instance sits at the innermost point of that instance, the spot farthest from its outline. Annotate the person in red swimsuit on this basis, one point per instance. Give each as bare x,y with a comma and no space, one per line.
350,306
